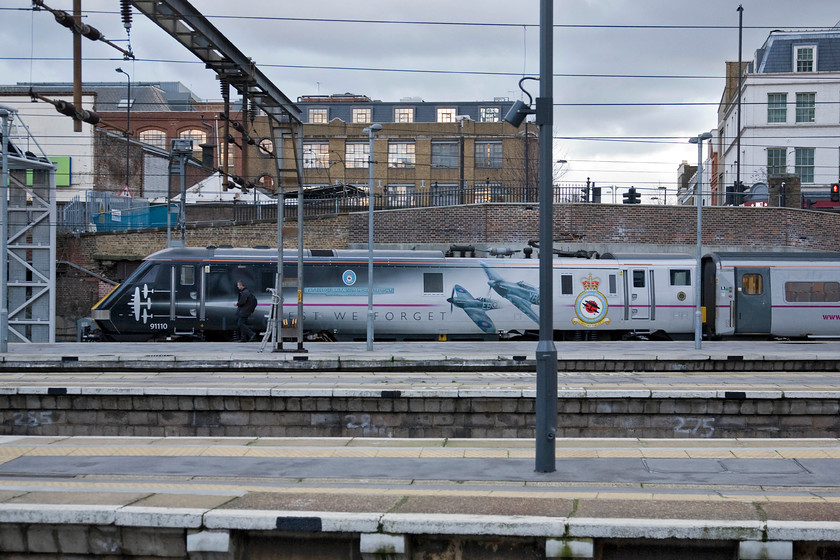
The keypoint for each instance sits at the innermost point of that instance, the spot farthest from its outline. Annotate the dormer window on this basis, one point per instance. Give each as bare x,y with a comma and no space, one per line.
805,58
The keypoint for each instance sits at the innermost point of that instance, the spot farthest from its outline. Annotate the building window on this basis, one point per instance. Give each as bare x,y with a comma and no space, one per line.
404,114
401,154
776,107
444,195
805,164
445,115
265,147
489,114
488,192
356,155
488,155
198,137
319,116
805,58
776,161
445,155
362,115
156,138
316,156
400,196
805,107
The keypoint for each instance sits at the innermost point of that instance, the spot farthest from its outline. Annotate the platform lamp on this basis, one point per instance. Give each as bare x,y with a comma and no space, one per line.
698,195
371,131
127,122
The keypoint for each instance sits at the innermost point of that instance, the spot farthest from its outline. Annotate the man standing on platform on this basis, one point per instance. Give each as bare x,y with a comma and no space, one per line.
245,306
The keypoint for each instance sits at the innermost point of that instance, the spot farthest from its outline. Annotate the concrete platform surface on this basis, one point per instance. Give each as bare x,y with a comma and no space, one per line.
711,482
455,352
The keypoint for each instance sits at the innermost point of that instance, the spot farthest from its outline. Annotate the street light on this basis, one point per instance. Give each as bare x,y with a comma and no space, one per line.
127,123
698,195
371,130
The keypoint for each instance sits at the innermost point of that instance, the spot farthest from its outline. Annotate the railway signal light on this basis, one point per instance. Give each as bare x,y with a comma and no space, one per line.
835,192
632,196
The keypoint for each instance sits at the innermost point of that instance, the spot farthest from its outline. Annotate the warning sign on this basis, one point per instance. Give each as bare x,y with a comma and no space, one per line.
125,193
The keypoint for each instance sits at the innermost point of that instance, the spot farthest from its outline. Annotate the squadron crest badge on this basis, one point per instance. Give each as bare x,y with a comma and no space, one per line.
591,305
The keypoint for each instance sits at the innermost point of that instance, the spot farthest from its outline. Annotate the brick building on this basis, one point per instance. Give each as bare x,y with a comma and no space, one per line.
446,152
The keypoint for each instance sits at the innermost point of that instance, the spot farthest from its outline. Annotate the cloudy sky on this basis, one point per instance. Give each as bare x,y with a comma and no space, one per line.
634,79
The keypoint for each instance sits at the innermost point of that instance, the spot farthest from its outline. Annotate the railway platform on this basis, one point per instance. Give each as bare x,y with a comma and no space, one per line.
167,450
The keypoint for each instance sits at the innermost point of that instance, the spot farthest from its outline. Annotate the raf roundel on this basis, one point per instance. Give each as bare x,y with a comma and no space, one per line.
349,277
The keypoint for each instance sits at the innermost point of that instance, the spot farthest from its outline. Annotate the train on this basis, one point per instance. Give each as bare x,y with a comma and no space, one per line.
189,293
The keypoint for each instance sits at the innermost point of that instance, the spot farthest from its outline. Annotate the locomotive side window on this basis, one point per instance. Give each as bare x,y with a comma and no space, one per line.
680,277
433,282
613,284
187,275
812,291
638,278
752,284
566,284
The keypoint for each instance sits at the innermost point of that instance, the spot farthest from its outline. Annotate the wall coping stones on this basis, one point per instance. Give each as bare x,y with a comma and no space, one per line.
58,514
706,529
267,520
396,392
135,516
462,524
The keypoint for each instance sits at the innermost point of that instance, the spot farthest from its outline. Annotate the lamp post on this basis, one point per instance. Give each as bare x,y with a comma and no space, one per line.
371,130
698,195
127,122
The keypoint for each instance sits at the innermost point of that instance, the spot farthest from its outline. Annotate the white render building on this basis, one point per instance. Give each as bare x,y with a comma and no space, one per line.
790,114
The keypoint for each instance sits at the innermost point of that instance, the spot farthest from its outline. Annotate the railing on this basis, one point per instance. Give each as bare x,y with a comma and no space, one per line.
100,211
315,207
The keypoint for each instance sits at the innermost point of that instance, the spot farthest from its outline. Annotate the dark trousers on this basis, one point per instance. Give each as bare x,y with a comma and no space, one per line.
246,333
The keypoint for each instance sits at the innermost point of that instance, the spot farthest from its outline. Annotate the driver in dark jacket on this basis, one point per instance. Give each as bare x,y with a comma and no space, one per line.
245,306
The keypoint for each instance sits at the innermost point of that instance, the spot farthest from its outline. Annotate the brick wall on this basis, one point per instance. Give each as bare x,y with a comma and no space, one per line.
237,415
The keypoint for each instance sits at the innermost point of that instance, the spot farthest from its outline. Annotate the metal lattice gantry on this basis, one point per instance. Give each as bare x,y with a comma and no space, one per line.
189,27
27,237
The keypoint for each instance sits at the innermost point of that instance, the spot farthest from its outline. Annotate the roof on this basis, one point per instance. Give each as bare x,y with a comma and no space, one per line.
776,55
383,111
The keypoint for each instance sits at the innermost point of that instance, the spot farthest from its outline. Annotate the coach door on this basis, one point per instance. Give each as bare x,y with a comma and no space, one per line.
184,308
639,294
752,301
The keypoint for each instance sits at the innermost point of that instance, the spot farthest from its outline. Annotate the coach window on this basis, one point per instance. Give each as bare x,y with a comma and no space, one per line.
681,278
433,282
812,291
566,284
613,281
752,284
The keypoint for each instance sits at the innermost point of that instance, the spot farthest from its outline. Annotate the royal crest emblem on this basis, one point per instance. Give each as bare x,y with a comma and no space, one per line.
591,305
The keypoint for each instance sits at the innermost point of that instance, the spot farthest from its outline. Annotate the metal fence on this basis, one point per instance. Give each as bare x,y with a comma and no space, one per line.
102,211
314,207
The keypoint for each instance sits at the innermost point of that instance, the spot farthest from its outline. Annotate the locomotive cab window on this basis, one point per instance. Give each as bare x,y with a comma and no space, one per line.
433,282
812,291
752,284
680,277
